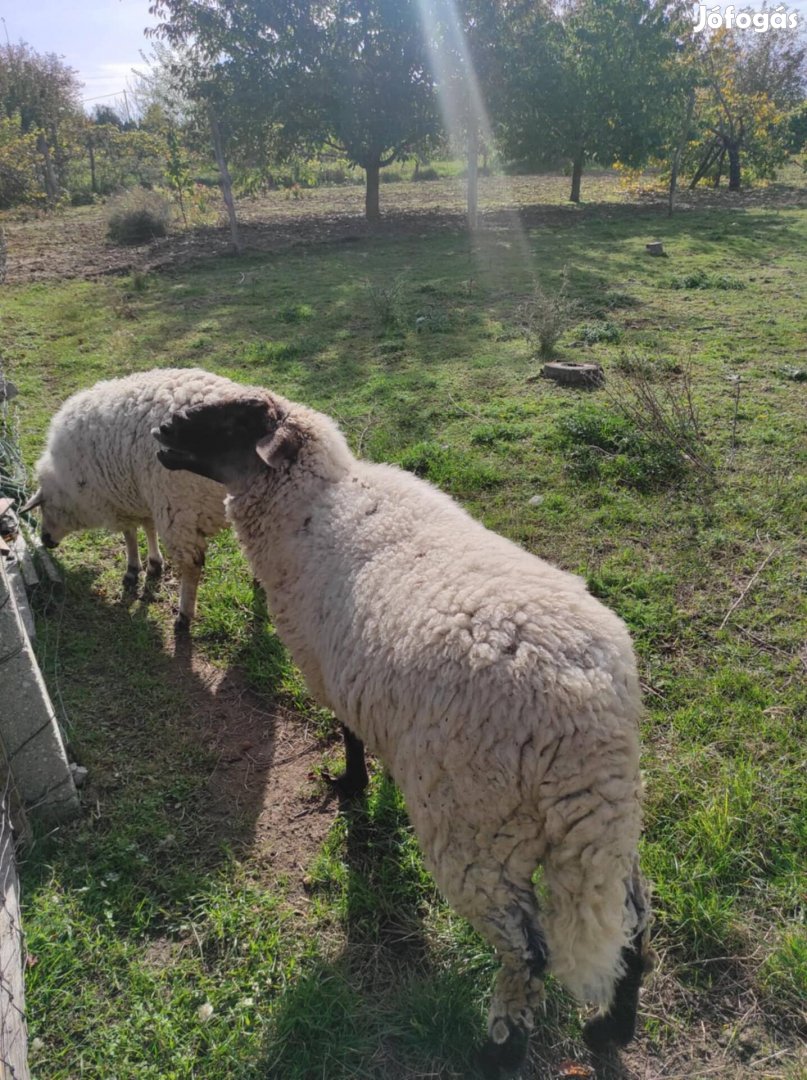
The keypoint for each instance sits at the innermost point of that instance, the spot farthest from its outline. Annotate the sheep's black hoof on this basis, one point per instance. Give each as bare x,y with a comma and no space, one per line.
605,1033
353,781
131,578
499,1060
346,786
182,624
155,569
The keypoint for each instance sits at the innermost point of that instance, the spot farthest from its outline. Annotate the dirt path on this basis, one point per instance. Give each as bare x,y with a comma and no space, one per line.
262,792
72,243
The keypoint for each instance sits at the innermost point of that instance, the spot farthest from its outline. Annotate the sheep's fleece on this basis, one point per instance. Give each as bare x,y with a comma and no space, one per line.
99,470
500,694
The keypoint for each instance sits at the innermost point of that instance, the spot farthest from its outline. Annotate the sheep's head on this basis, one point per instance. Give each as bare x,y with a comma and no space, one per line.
59,518
231,442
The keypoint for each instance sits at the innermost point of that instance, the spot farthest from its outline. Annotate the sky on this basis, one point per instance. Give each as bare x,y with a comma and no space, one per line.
102,39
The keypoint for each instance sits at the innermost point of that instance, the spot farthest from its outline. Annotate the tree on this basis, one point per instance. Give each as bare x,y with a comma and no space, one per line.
40,93
286,74
105,114
750,83
231,64
373,92
590,80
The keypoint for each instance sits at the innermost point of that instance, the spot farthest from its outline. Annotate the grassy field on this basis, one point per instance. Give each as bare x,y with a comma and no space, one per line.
212,915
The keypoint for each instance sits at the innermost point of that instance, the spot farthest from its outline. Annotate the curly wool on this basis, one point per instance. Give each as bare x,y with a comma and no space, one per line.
99,470
501,695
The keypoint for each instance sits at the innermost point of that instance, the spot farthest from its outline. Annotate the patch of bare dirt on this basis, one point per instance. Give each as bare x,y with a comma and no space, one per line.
73,244
262,779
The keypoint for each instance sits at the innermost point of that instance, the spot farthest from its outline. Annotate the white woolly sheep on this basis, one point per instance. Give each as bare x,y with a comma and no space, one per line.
500,694
99,470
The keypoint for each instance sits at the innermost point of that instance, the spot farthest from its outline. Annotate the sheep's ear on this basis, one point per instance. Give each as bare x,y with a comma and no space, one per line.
283,445
35,500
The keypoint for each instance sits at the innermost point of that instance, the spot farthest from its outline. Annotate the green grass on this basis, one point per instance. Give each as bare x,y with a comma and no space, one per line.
151,906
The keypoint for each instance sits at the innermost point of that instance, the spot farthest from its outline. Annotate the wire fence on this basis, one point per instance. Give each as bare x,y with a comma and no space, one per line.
13,1024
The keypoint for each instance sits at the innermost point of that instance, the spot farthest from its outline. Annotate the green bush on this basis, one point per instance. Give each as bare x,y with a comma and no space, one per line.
593,333
138,218
700,279
545,316
425,174
602,443
449,469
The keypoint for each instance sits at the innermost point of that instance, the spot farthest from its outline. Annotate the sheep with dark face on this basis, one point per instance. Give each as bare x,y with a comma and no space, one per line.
500,694
99,471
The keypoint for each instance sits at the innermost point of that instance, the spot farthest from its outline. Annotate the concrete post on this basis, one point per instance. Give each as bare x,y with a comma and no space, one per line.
31,741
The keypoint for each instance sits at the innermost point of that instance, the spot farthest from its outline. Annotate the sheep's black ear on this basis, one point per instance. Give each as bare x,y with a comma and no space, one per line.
35,500
217,441
283,445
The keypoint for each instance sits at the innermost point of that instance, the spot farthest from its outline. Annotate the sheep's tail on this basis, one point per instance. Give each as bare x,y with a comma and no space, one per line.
596,900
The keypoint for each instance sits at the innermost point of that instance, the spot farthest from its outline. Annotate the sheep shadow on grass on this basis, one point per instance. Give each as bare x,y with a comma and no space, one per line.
186,768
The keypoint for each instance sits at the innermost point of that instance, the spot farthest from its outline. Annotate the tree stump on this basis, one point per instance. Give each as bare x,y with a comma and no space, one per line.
589,376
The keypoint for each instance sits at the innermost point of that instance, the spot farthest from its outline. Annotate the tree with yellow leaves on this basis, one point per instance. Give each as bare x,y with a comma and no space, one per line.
749,85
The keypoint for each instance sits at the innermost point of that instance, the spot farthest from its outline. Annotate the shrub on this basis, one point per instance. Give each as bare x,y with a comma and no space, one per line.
593,333
294,313
500,431
455,472
700,279
649,368
138,218
545,316
648,438
600,442
425,174
386,304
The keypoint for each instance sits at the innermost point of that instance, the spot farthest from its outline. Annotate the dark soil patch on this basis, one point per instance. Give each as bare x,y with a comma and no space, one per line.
263,774
72,243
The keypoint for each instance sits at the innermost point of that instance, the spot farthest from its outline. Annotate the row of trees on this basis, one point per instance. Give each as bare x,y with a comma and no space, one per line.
550,83
49,146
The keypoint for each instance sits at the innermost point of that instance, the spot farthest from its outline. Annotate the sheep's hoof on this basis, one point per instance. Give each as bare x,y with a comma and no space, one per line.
182,624
498,1060
131,578
345,785
155,569
605,1033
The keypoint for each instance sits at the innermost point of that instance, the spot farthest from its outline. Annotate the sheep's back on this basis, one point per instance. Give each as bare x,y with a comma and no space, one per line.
418,625
101,450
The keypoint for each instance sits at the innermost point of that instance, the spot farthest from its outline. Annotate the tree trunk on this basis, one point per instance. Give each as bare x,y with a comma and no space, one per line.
371,206
93,181
225,180
676,161
704,166
473,176
719,173
577,175
734,166
51,190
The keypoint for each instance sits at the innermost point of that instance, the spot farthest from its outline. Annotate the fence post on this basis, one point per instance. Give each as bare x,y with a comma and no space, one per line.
13,1026
29,732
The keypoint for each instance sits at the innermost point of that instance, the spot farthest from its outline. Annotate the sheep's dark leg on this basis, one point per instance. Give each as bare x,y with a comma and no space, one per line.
132,575
520,979
353,781
155,566
190,573
617,1026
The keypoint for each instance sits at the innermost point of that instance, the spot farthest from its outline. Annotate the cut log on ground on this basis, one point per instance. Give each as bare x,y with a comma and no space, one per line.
589,376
